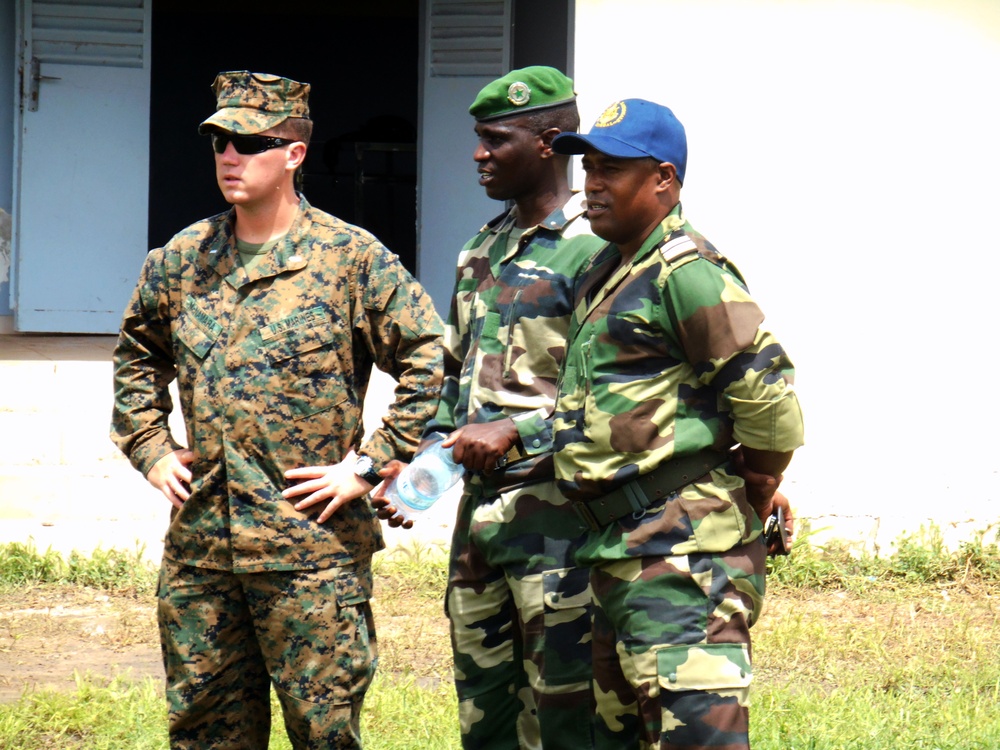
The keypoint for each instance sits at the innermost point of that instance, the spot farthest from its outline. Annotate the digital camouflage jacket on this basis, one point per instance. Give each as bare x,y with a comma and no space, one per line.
506,331
667,356
272,368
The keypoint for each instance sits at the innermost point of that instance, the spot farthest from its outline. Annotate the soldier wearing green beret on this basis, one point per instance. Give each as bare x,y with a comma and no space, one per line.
517,603
270,317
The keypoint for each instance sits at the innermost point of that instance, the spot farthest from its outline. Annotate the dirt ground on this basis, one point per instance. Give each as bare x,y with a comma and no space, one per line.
51,634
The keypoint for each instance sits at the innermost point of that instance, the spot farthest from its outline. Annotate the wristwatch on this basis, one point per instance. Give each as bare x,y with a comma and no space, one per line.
365,468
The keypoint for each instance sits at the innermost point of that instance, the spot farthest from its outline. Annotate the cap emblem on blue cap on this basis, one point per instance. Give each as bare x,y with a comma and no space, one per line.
518,94
612,115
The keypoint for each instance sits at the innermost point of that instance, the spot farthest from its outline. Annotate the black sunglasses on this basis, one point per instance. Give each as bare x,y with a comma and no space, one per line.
247,144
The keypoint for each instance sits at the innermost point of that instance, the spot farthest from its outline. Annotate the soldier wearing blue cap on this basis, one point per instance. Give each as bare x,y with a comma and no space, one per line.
668,368
270,317
517,603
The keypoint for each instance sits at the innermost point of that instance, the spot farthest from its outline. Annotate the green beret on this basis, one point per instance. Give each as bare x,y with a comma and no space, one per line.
249,103
520,91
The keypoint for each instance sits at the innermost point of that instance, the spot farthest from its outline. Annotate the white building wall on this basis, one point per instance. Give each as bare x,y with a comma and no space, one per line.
845,154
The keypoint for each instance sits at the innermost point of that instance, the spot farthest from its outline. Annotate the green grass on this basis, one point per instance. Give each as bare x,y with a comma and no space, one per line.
97,716
853,653
111,570
123,714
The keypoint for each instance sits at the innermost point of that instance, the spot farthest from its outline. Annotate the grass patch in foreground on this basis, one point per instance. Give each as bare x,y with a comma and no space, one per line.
399,715
810,718
112,716
110,570
852,653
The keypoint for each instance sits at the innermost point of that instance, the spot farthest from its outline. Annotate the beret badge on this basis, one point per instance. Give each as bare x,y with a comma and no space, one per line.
518,94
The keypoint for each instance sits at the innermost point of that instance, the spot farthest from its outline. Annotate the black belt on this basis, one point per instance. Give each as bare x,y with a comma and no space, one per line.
640,493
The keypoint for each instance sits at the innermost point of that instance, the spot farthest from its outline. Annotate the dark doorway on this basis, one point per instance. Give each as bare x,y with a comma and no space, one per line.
362,62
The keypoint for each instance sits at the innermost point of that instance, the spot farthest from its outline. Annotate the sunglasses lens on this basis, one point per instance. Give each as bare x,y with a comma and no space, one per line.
250,144
246,144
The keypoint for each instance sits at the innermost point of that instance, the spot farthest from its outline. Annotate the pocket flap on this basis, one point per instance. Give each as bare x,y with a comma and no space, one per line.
298,341
353,586
196,329
567,589
704,666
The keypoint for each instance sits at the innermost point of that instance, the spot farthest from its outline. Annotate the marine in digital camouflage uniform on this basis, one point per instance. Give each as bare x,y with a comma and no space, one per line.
519,607
271,340
668,367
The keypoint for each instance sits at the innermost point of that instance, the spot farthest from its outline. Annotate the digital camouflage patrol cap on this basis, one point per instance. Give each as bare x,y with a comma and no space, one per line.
520,91
250,103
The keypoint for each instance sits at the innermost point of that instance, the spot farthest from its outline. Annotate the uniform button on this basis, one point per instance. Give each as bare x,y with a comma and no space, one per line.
536,442
672,677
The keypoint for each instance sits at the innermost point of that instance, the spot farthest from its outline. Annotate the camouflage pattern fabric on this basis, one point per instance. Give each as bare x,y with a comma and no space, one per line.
506,333
520,620
672,666
667,357
272,368
226,637
518,606
250,103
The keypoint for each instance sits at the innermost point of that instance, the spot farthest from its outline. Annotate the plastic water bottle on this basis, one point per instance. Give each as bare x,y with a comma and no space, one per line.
432,473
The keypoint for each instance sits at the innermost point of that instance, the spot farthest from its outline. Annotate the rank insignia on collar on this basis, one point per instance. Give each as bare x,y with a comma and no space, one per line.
518,94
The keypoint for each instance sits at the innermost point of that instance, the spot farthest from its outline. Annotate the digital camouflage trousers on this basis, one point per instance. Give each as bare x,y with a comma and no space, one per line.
226,638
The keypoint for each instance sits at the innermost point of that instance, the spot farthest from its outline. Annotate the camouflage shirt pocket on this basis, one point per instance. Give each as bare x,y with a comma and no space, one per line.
296,342
304,361
197,329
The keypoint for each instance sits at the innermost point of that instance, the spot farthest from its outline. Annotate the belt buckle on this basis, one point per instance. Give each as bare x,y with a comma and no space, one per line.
583,510
513,455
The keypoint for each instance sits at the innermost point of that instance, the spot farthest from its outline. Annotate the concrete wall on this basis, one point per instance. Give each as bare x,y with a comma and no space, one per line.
844,154
7,103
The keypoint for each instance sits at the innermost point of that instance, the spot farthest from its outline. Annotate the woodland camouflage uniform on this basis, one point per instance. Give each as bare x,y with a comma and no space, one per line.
667,359
514,590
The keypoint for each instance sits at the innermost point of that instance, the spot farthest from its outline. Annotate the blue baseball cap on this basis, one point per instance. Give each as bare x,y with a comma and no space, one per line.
632,129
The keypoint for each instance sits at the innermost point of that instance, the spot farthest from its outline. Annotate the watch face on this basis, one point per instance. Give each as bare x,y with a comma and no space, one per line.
365,469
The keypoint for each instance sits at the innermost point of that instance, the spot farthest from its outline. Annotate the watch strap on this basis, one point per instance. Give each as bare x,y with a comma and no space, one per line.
365,469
